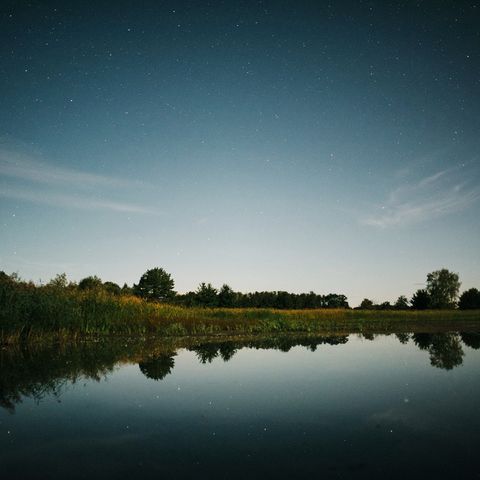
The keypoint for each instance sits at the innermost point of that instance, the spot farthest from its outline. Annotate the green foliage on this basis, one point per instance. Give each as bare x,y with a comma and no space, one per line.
90,283
443,287
206,295
112,287
469,300
155,284
59,281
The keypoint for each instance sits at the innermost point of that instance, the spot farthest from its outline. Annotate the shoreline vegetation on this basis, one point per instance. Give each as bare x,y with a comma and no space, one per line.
65,311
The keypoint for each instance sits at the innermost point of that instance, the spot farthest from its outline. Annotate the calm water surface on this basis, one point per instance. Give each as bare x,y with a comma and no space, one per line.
389,406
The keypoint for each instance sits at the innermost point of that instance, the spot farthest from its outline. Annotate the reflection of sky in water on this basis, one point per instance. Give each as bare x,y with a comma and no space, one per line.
361,407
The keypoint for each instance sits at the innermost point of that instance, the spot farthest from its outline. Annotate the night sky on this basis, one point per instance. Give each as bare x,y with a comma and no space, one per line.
271,145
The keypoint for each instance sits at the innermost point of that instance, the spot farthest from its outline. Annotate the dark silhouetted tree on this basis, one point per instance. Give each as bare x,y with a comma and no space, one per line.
59,281
226,297
442,287
155,284
401,303
420,300
469,300
366,304
385,306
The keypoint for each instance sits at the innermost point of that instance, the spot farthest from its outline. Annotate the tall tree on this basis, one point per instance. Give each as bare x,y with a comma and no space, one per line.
443,287
155,284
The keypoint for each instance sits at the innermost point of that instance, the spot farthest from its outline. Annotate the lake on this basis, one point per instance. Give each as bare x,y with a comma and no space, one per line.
349,406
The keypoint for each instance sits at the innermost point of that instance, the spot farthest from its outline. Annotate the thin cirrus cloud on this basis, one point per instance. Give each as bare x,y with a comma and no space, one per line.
72,201
23,168
440,194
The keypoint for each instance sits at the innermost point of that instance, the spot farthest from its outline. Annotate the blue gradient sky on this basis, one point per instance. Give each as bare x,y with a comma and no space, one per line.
326,146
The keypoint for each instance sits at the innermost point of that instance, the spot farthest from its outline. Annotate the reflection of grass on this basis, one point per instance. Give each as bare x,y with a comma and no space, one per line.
31,312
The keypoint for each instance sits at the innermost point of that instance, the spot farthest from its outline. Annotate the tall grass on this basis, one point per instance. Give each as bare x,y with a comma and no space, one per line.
28,311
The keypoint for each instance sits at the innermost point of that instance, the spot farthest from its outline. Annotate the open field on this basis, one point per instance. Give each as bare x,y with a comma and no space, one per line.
33,313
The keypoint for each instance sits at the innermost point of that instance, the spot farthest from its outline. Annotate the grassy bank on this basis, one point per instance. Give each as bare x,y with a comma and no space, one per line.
31,312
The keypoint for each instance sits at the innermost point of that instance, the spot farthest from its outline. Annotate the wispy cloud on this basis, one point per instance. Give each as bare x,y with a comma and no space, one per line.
444,192
63,187
13,164
72,201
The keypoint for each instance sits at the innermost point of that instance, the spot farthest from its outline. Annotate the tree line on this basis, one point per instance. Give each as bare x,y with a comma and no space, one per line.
441,292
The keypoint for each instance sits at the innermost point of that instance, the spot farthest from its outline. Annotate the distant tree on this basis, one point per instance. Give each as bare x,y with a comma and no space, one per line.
126,290
401,303
59,281
206,295
226,296
420,300
334,300
112,287
442,287
385,306
155,284
366,304
90,283
469,300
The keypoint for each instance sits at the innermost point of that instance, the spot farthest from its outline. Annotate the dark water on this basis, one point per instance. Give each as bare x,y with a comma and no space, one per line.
388,406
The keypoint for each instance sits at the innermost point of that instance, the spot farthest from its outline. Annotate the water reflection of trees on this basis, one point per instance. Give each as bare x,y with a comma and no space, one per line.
157,368
207,352
445,349
45,371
